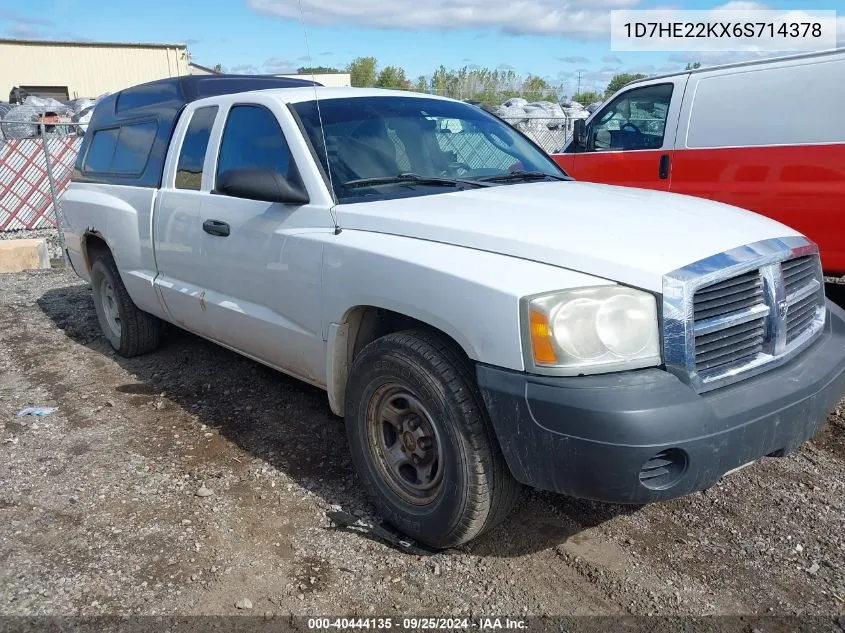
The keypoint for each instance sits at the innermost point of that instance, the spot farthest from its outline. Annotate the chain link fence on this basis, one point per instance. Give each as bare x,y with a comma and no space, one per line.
550,134
36,165
39,141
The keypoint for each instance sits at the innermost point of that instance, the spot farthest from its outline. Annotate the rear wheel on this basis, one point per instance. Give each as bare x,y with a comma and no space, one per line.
421,440
130,330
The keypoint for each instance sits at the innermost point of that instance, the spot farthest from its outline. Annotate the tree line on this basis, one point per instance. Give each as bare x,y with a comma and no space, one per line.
477,84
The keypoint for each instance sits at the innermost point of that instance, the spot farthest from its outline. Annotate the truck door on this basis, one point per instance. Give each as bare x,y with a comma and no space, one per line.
630,141
261,261
180,268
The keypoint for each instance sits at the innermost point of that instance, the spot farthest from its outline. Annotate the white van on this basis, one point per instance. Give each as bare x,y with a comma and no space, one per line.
766,135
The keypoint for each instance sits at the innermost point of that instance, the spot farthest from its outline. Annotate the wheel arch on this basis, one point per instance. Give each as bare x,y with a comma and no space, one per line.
359,326
93,244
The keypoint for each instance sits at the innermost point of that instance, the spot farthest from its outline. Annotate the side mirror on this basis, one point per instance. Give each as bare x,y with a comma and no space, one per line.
256,183
579,134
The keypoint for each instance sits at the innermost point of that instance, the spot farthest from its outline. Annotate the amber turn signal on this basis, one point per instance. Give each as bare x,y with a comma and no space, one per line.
541,339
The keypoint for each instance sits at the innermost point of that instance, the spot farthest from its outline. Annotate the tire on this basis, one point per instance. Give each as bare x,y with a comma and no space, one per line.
130,331
460,486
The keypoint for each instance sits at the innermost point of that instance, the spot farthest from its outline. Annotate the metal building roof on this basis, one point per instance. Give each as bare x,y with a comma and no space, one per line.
90,44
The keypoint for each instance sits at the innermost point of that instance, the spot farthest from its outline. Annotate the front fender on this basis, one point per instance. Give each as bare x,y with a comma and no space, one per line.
470,295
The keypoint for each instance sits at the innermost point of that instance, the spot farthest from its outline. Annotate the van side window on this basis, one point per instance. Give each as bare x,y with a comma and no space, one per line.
121,151
253,138
194,146
634,120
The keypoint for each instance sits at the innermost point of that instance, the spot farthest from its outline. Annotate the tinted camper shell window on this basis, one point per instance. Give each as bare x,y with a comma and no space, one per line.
140,120
121,151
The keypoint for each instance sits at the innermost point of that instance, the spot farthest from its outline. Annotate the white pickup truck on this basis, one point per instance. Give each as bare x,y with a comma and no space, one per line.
479,319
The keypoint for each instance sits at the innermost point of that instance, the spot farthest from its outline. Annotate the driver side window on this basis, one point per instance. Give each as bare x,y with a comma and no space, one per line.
635,120
253,138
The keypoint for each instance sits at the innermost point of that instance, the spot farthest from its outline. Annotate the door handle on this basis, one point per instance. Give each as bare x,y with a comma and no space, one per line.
663,170
216,227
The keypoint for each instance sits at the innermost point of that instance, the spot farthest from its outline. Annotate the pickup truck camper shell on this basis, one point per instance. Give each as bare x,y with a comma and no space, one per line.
161,103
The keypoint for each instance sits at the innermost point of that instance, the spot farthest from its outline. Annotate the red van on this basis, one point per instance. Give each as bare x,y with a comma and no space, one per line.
766,135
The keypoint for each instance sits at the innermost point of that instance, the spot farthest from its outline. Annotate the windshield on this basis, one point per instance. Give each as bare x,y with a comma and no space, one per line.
390,147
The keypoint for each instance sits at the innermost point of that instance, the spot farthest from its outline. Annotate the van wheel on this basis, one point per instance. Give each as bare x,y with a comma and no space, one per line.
421,441
130,330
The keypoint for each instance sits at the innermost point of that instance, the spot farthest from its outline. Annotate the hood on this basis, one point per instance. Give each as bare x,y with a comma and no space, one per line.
632,236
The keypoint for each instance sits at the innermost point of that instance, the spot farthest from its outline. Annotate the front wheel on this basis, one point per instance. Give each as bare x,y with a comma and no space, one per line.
421,440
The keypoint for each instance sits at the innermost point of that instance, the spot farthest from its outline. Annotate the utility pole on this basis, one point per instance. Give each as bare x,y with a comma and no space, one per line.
578,92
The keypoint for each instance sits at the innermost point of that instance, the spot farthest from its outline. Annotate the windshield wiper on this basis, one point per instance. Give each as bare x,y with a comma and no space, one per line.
413,179
521,175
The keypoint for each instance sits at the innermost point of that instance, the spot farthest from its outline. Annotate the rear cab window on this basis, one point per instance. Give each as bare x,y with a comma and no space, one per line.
189,168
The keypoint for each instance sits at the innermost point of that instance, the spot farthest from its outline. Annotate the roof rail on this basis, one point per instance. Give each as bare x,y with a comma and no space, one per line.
749,62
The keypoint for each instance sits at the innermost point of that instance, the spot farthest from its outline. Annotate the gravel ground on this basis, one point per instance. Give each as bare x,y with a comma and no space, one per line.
194,481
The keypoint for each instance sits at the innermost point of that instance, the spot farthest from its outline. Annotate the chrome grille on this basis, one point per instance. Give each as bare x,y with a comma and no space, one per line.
729,296
804,292
735,343
726,330
798,272
733,315
800,317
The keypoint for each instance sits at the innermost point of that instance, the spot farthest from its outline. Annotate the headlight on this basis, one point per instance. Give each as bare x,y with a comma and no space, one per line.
592,330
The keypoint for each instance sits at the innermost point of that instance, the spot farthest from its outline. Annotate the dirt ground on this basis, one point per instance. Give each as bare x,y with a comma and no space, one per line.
100,511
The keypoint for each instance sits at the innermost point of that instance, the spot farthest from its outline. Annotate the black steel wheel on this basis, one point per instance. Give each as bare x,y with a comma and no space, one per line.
405,444
421,441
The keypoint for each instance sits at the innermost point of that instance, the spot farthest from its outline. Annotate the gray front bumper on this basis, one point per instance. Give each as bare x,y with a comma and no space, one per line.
604,437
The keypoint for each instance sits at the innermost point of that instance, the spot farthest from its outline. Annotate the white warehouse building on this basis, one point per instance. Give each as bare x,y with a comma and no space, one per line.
67,70
70,70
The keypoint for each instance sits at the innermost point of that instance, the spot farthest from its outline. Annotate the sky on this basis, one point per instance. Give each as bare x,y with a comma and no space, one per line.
560,40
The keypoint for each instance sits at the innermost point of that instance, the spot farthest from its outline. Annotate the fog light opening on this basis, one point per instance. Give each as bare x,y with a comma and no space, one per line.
664,470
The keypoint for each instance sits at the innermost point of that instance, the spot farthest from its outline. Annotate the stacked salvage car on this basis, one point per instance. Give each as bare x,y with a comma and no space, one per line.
547,124
521,113
24,120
